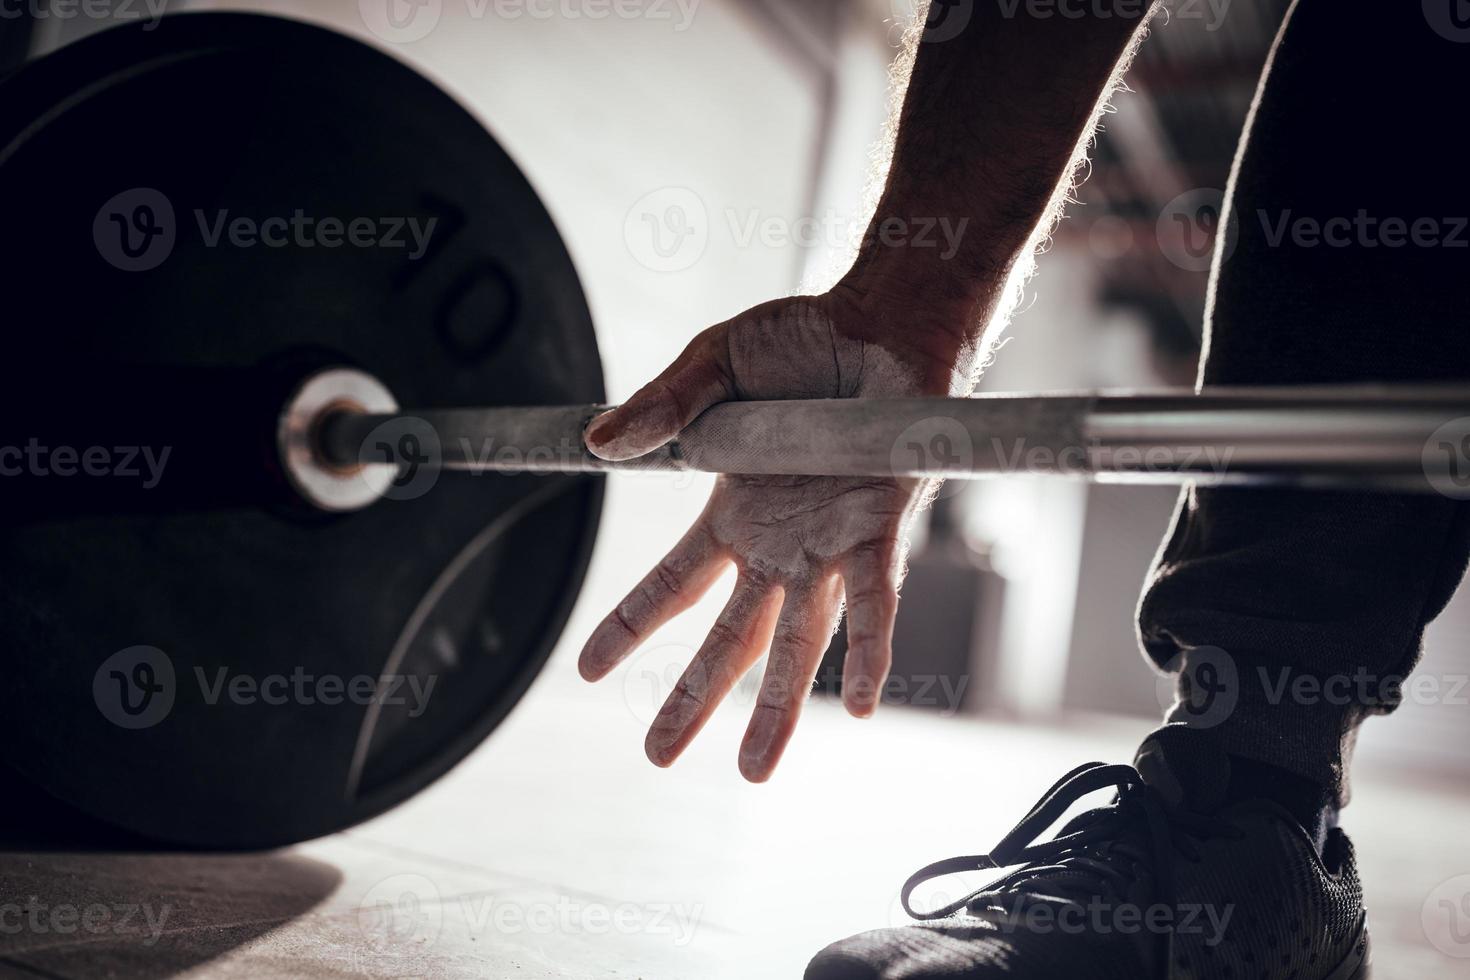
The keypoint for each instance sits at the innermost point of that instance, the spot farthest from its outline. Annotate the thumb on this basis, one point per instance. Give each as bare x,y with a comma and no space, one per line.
697,379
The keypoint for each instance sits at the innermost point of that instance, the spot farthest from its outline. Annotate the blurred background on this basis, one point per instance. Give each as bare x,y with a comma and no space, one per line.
702,156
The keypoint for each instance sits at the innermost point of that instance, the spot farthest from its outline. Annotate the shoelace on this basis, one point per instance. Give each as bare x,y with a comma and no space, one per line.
1170,827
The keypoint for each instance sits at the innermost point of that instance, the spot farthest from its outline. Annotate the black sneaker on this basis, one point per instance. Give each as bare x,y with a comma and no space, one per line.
1152,885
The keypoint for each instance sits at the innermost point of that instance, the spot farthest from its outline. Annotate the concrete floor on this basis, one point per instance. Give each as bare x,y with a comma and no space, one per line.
556,851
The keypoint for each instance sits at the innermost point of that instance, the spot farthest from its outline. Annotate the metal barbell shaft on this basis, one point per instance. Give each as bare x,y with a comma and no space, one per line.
1369,435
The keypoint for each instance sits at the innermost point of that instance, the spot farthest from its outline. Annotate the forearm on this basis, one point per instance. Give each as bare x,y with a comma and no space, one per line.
993,124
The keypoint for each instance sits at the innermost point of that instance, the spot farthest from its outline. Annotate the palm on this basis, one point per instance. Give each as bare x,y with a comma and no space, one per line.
800,544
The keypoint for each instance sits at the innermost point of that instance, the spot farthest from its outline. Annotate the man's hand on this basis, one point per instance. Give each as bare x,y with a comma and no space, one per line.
799,543
994,121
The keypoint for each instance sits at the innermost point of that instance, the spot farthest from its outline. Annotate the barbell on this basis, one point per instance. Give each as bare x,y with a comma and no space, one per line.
1369,436
240,606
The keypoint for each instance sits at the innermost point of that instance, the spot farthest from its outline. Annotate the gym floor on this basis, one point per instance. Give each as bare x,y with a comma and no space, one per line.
550,853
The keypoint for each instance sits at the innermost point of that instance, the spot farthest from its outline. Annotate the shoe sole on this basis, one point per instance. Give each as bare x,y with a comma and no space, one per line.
1358,963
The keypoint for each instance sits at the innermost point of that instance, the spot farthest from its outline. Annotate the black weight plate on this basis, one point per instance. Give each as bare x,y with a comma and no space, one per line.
468,584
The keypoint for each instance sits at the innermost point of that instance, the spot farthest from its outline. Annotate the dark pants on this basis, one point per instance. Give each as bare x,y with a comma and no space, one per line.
1361,112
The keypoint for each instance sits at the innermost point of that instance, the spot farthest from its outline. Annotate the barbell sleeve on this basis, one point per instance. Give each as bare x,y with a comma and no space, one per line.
1373,435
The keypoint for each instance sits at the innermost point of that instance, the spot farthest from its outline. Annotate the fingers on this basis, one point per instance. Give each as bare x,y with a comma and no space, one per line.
675,583
697,379
871,577
803,631
735,643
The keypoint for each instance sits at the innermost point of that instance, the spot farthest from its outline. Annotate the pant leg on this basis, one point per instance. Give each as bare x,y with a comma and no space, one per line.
1360,117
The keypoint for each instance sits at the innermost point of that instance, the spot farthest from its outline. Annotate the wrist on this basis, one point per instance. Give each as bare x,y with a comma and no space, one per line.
936,315
948,276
